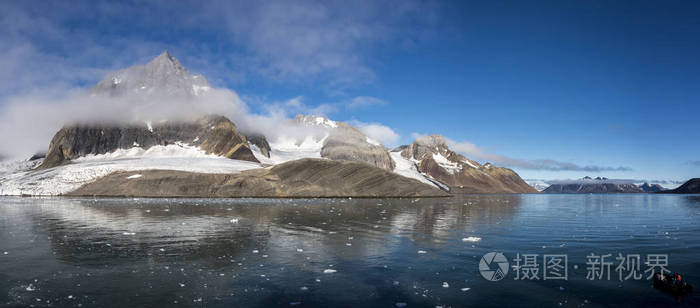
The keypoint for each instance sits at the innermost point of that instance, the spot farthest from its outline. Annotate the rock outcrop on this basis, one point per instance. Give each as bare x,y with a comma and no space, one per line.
345,142
213,134
308,178
435,160
260,142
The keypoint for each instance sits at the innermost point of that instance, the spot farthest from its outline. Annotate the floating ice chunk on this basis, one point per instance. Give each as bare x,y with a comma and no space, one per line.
30,288
329,271
304,288
445,285
182,285
471,239
422,251
256,251
401,304
465,289
135,176
234,221
5,253
300,250
129,233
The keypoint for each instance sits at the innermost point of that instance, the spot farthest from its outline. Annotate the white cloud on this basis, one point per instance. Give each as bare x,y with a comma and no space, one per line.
379,132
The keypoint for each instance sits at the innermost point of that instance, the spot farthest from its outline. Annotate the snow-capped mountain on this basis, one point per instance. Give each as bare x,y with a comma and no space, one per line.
320,137
434,160
309,156
163,75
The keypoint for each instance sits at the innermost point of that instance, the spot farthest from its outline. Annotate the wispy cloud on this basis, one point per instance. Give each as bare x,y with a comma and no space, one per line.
364,101
694,163
472,151
320,44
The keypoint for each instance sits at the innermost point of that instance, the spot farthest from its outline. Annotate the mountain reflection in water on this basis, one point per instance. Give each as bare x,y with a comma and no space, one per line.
268,252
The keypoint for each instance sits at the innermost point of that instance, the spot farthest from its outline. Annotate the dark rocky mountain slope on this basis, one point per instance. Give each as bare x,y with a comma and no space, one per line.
213,134
692,186
299,178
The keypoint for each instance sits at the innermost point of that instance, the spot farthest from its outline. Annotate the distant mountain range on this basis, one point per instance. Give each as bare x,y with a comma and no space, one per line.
600,185
207,155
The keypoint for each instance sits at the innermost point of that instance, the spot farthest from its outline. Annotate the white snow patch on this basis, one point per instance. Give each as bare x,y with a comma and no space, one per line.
407,168
150,126
326,122
135,176
329,271
136,144
285,149
63,179
451,167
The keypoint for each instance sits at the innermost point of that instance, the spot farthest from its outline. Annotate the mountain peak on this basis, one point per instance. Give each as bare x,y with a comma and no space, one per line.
164,75
166,60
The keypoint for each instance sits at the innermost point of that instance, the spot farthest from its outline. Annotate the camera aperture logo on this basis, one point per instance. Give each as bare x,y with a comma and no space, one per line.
494,266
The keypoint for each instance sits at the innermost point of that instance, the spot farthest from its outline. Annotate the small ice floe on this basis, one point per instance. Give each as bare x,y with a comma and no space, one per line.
561,288
255,251
234,221
401,304
300,250
30,288
5,253
465,289
304,288
445,285
182,285
329,271
348,244
471,239
129,233
162,250
422,251
135,176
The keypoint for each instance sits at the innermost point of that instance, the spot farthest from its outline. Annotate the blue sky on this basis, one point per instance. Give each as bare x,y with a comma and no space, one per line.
553,89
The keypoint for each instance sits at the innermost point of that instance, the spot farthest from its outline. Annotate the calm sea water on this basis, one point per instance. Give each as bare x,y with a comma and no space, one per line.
338,252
